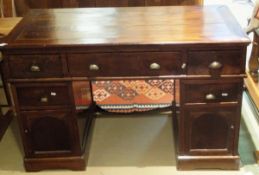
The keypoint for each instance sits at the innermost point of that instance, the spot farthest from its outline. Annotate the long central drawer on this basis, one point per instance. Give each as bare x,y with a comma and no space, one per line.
125,64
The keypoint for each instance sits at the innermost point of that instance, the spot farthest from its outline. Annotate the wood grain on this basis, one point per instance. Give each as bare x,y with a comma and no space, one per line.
7,24
23,6
128,26
8,8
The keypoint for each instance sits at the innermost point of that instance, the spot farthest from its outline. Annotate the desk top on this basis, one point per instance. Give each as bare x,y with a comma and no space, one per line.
128,26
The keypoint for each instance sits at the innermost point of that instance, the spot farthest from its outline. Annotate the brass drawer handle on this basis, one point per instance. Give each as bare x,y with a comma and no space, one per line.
94,67
35,68
154,66
215,65
44,99
210,97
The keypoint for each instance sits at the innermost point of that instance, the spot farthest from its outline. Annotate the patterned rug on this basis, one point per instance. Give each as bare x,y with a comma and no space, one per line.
125,95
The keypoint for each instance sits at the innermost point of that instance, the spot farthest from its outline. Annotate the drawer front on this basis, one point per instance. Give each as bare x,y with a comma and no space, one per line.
35,66
215,63
43,95
211,91
125,64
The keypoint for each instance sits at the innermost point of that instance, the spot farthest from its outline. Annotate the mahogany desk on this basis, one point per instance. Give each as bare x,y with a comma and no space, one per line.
202,47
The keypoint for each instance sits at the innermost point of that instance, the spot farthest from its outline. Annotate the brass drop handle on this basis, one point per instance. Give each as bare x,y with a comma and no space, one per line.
210,97
44,99
35,68
93,67
232,127
154,66
215,65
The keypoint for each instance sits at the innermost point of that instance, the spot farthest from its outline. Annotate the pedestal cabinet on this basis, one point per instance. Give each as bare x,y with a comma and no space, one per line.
209,123
48,122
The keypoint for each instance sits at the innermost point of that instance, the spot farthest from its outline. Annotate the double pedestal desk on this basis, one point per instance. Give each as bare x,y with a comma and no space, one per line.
203,48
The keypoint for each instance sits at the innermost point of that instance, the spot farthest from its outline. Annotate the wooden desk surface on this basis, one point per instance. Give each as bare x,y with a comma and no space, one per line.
129,26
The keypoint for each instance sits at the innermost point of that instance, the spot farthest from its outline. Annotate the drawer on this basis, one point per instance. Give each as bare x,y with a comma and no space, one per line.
31,95
125,64
207,91
35,66
215,63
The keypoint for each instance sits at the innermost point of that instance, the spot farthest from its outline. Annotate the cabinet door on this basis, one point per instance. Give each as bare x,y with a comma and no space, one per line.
50,133
209,130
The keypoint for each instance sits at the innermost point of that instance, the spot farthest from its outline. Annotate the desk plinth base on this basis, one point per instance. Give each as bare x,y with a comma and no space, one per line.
38,164
208,162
